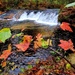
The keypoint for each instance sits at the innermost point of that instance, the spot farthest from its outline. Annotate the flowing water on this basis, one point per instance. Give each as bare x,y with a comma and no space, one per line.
48,17
45,17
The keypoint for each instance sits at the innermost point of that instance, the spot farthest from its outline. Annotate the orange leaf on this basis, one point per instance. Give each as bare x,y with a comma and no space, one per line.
3,63
25,44
39,36
66,44
37,44
40,72
27,38
65,26
6,53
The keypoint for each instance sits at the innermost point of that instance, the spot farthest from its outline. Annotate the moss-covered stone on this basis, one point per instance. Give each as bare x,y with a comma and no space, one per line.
67,15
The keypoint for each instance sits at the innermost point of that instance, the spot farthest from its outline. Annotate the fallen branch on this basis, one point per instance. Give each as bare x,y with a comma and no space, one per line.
62,56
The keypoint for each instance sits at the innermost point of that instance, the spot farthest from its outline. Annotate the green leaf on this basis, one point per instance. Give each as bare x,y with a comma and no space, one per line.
44,44
29,66
19,34
68,66
22,70
70,5
5,33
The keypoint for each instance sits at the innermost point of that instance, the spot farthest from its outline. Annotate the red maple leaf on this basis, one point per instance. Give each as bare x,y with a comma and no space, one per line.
65,26
25,44
66,44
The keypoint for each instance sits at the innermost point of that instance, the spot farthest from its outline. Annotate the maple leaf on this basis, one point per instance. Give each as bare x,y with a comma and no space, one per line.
40,72
66,44
23,46
37,44
65,26
38,41
6,53
27,38
39,36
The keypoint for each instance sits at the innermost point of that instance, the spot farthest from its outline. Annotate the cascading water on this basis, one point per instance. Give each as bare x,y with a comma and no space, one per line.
48,17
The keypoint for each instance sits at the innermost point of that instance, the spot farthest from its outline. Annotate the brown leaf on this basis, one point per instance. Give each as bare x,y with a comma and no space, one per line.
40,72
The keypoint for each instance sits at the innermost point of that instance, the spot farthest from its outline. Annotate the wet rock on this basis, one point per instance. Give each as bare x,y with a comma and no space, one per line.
19,13
31,28
10,16
71,58
67,15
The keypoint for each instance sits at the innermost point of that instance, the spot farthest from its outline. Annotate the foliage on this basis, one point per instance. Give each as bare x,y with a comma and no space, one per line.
37,41
6,53
33,4
66,45
70,5
68,66
5,33
23,46
65,26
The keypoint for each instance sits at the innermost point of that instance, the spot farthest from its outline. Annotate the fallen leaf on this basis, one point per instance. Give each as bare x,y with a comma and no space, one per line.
5,34
40,42
44,43
68,66
27,38
65,26
3,63
66,44
40,72
49,42
6,53
37,44
17,35
39,36
23,46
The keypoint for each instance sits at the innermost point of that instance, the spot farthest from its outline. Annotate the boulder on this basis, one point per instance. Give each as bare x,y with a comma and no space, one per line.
67,15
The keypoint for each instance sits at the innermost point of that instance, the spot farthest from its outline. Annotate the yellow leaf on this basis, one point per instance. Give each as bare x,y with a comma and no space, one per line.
49,42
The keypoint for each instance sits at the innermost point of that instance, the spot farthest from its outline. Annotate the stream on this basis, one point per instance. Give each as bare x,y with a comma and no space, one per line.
33,22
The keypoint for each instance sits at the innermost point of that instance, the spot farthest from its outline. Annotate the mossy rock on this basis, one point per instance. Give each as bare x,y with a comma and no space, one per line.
71,58
67,15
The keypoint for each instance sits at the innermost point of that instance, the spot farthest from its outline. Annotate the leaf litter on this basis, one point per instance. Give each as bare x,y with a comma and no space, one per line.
28,43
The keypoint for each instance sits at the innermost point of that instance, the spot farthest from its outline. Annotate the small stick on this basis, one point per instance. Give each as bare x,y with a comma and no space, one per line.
62,56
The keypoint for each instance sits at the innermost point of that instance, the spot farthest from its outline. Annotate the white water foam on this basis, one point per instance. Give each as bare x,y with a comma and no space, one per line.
42,17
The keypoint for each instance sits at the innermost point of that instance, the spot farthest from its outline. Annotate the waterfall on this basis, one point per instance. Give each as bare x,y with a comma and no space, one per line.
48,17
